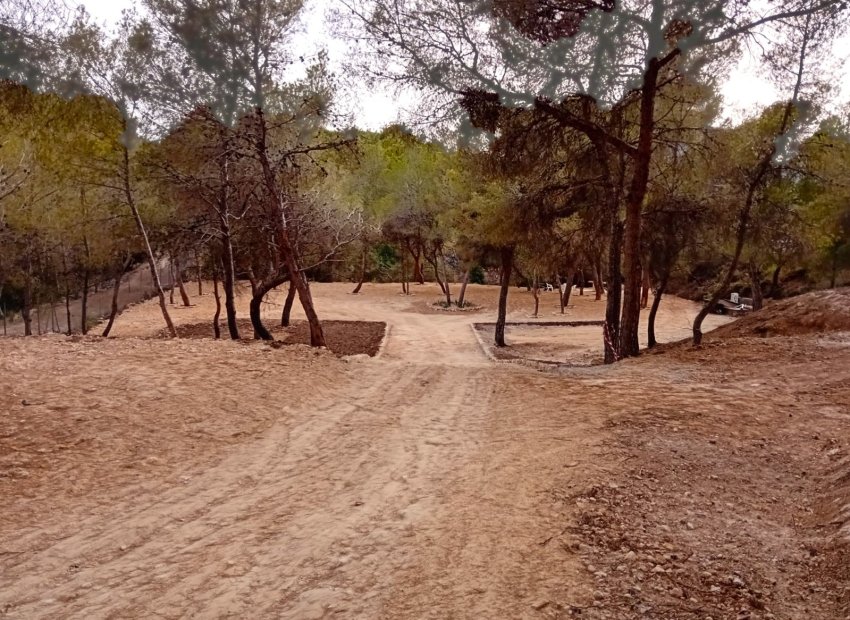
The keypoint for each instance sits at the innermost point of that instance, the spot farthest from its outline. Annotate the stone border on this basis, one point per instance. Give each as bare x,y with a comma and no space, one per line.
530,362
384,341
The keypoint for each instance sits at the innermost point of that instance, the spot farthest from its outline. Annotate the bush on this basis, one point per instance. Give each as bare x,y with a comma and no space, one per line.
476,275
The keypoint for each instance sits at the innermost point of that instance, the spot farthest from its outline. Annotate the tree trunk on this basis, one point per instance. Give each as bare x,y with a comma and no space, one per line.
833,276
507,256
560,292
84,303
362,270
114,308
653,311
755,183
199,273
581,282
171,288
436,272
630,317
755,281
26,308
184,296
68,309
287,306
598,286
446,276
774,282
131,202
286,248
216,328
229,279
418,276
404,288
535,291
565,298
263,288
253,280
611,331
646,284
461,298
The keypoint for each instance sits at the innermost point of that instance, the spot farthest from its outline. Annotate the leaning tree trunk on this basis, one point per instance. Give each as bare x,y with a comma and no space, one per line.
286,248
263,288
362,270
755,183
437,277
653,311
598,287
131,202
113,311
755,281
446,277
507,256
461,298
286,315
184,296
216,328
565,298
741,236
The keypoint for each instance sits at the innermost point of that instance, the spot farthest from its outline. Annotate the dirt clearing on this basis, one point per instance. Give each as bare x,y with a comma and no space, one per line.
193,478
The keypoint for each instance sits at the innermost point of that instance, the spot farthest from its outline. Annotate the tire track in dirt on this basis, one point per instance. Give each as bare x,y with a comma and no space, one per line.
404,496
318,512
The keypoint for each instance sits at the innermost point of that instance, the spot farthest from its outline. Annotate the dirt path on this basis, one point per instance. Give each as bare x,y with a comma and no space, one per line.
395,496
152,478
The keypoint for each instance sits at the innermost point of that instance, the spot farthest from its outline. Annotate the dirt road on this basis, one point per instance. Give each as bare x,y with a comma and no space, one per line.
213,480
393,496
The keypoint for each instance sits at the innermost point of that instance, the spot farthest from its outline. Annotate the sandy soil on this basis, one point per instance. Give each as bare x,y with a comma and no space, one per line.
192,478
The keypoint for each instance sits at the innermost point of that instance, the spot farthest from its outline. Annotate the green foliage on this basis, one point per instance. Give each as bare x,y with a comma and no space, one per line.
476,275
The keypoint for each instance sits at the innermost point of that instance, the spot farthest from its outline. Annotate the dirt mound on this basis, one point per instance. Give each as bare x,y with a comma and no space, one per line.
819,311
343,337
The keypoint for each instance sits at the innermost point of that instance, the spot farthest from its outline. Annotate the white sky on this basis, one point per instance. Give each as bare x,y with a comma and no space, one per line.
744,93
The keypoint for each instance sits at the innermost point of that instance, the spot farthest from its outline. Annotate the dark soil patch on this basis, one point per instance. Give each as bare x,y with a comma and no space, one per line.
343,337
